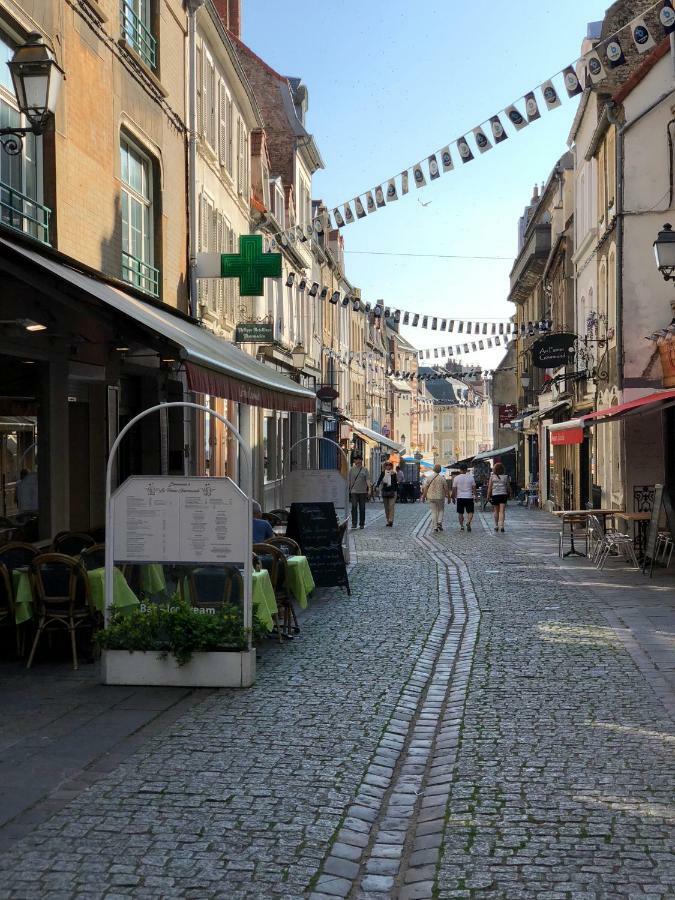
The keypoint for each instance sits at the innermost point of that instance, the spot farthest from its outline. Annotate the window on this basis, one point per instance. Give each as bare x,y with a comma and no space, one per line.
136,30
20,176
137,219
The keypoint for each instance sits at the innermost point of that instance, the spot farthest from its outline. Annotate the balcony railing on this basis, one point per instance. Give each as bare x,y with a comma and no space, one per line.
139,35
24,214
140,274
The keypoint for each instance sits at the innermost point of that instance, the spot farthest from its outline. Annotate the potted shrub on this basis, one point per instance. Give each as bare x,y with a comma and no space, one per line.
178,645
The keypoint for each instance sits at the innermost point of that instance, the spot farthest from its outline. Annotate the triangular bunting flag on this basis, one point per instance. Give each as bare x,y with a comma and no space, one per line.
446,160
550,95
498,132
641,36
572,85
482,141
464,150
418,175
391,191
339,221
404,182
515,117
531,107
349,215
358,206
379,197
433,167
370,203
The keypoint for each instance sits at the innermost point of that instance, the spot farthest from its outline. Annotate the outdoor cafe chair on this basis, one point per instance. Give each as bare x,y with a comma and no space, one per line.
61,596
72,543
93,557
610,543
281,514
17,555
287,545
274,560
272,518
213,586
7,619
664,547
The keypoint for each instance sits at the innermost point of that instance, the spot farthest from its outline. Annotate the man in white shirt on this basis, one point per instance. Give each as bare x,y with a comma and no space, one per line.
464,494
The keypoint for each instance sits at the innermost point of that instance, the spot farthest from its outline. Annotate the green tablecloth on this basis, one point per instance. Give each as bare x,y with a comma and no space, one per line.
299,578
123,597
152,578
263,598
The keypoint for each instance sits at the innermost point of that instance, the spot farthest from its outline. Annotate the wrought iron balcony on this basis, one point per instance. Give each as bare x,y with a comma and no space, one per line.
140,274
138,35
20,212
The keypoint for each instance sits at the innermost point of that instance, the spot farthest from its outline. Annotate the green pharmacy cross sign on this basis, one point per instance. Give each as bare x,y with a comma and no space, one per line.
251,266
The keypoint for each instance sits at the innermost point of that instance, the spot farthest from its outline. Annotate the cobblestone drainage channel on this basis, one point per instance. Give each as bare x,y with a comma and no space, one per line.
390,841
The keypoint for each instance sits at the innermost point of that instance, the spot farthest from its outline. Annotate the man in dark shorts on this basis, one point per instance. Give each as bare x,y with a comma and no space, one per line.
464,494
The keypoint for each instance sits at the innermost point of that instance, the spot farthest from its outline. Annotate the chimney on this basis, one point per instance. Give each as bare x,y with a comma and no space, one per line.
230,13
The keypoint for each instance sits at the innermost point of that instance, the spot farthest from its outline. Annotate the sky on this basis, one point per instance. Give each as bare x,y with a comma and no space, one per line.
391,82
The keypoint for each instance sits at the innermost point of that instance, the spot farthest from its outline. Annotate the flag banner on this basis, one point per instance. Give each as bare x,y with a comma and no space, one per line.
433,167
572,84
308,231
434,324
485,328
418,175
498,341
406,318
498,132
460,327
436,354
370,203
379,197
391,191
473,347
641,36
292,236
481,345
404,182
444,323
489,343
466,348
337,215
327,223
446,160
531,107
614,54
415,320
451,325
667,17
481,139
515,118
318,225
596,70
425,319
468,327
494,328
464,150
550,95
358,206
349,215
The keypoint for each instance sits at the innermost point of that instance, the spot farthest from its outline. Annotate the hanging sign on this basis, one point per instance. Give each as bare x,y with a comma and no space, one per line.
251,266
553,351
507,413
254,333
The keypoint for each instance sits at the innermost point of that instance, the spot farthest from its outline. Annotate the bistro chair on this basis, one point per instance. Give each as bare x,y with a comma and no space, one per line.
287,545
274,560
93,557
72,543
17,555
610,543
212,586
664,547
7,619
62,600
281,514
272,518
342,530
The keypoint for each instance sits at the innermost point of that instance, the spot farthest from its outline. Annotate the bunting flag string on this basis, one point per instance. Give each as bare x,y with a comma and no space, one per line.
607,55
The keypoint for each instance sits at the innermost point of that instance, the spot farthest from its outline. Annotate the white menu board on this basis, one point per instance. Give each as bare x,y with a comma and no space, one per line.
182,520
315,486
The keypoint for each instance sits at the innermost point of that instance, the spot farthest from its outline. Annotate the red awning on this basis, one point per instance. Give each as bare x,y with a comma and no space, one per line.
567,437
218,384
651,403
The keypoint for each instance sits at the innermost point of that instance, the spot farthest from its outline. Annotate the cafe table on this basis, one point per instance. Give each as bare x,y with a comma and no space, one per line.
567,514
299,579
263,598
124,598
639,521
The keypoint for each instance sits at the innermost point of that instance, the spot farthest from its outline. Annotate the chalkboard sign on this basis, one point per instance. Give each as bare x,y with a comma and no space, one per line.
661,500
314,526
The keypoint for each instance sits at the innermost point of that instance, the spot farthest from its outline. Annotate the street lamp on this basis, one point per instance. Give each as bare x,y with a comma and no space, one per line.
37,81
298,355
664,250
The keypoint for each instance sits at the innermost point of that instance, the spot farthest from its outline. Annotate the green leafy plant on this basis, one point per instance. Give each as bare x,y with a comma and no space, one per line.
179,629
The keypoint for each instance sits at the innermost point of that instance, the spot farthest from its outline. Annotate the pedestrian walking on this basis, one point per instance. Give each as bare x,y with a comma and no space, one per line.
435,492
388,482
464,494
400,480
498,494
359,485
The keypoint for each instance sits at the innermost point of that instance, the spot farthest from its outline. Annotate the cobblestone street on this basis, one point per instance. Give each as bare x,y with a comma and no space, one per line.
470,722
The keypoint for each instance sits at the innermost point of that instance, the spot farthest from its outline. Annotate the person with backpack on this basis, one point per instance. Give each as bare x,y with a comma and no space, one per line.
498,494
388,482
436,493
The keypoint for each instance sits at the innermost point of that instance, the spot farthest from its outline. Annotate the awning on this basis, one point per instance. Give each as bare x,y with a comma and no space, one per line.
528,421
214,366
490,454
655,402
16,423
375,437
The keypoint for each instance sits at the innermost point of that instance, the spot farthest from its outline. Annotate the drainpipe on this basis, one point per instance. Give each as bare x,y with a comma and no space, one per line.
192,8
613,119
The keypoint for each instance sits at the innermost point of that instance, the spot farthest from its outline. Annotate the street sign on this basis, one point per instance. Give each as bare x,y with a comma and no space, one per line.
180,520
251,266
254,333
507,413
315,527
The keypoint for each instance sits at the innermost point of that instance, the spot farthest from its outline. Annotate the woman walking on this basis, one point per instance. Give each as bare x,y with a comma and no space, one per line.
498,494
389,483
436,492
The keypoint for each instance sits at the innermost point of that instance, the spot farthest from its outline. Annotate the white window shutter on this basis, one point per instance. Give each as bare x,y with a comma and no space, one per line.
220,247
230,126
200,90
222,142
240,156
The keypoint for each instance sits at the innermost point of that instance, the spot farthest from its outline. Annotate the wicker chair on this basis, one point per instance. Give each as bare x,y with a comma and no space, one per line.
272,518
287,545
7,617
210,587
281,514
62,599
274,560
93,557
72,543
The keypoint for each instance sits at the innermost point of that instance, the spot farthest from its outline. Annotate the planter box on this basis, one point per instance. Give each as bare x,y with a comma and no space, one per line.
213,669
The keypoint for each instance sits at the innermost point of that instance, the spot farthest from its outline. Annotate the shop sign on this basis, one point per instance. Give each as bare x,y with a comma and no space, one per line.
567,436
507,413
553,351
254,333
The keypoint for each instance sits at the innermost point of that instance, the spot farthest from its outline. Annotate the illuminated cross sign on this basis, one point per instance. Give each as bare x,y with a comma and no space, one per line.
251,266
